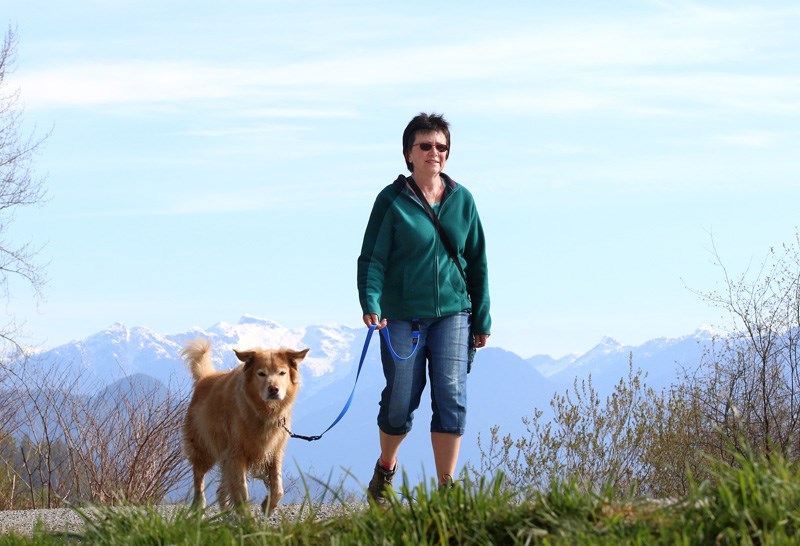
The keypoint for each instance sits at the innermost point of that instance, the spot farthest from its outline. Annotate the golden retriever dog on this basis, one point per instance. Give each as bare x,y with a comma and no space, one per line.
236,418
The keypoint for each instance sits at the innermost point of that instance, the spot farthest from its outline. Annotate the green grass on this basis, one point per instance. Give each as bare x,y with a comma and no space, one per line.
757,501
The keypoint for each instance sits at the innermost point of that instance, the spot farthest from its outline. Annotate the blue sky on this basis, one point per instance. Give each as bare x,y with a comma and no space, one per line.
214,159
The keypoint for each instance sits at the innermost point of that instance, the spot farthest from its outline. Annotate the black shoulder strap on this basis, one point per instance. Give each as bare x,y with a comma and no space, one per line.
442,235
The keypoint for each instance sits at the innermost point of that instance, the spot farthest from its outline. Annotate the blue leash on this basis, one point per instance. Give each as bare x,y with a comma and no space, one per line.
385,333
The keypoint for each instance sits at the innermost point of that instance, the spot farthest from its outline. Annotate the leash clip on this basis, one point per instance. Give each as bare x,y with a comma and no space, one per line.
282,423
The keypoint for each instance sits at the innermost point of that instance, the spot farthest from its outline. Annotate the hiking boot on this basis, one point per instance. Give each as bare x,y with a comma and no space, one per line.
381,480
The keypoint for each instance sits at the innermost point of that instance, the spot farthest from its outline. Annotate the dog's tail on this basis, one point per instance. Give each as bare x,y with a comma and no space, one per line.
198,357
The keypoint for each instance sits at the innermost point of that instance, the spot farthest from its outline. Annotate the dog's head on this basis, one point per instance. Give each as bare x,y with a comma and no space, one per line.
272,374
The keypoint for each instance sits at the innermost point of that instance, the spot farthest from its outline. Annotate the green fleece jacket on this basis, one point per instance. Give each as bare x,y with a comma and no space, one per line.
404,270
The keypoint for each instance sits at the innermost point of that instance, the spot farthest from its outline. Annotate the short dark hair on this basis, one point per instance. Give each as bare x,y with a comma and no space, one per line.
424,123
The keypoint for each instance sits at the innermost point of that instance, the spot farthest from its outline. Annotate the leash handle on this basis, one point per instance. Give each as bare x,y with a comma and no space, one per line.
414,340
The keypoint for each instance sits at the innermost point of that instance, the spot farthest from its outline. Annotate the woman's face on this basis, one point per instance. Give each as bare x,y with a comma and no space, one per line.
428,162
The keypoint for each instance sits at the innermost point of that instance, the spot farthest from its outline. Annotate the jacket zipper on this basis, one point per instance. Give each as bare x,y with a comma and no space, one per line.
439,245
437,250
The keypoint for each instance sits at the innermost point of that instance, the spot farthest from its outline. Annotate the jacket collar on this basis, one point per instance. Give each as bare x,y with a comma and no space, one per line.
401,183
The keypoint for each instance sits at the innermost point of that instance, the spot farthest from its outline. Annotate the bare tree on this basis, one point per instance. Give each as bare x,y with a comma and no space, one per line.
80,443
18,188
39,397
125,443
750,385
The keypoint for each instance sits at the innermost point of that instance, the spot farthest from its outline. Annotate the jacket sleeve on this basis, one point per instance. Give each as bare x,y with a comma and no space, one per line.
374,255
477,274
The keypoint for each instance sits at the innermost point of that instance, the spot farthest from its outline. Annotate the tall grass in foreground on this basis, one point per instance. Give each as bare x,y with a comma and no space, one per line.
755,501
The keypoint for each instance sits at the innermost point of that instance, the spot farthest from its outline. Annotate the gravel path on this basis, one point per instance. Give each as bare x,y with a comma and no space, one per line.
23,521
66,519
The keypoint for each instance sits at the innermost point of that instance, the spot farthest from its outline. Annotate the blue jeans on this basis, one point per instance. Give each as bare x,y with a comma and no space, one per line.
443,346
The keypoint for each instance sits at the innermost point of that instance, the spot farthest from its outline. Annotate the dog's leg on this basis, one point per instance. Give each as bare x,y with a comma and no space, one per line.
199,501
223,496
265,477
273,479
234,478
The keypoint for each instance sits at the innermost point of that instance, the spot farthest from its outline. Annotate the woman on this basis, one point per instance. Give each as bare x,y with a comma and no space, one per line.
409,283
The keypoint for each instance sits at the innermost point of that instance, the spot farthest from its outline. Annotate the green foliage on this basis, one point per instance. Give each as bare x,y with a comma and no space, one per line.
753,500
756,500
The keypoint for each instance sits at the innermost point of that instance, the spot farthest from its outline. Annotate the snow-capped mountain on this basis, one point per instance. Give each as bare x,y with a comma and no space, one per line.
119,351
503,387
663,359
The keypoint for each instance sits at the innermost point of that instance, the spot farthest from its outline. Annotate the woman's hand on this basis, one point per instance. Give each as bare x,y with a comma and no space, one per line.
480,340
370,319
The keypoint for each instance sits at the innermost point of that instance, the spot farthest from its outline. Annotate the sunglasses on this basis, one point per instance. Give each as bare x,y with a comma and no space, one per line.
426,147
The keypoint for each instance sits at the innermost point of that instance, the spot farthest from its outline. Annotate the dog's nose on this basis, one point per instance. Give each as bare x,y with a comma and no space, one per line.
273,390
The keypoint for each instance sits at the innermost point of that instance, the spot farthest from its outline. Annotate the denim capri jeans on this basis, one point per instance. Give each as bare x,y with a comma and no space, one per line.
444,347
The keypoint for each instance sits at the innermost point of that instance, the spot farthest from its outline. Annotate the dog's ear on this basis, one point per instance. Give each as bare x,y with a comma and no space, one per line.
246,357
295,357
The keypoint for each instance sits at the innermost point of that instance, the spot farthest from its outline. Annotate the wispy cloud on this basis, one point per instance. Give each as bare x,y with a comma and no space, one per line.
301,113
228,202
235,197
86,83
705,56
757,139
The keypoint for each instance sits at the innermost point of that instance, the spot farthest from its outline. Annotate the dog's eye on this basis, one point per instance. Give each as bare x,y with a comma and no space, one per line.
262,373
283,372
